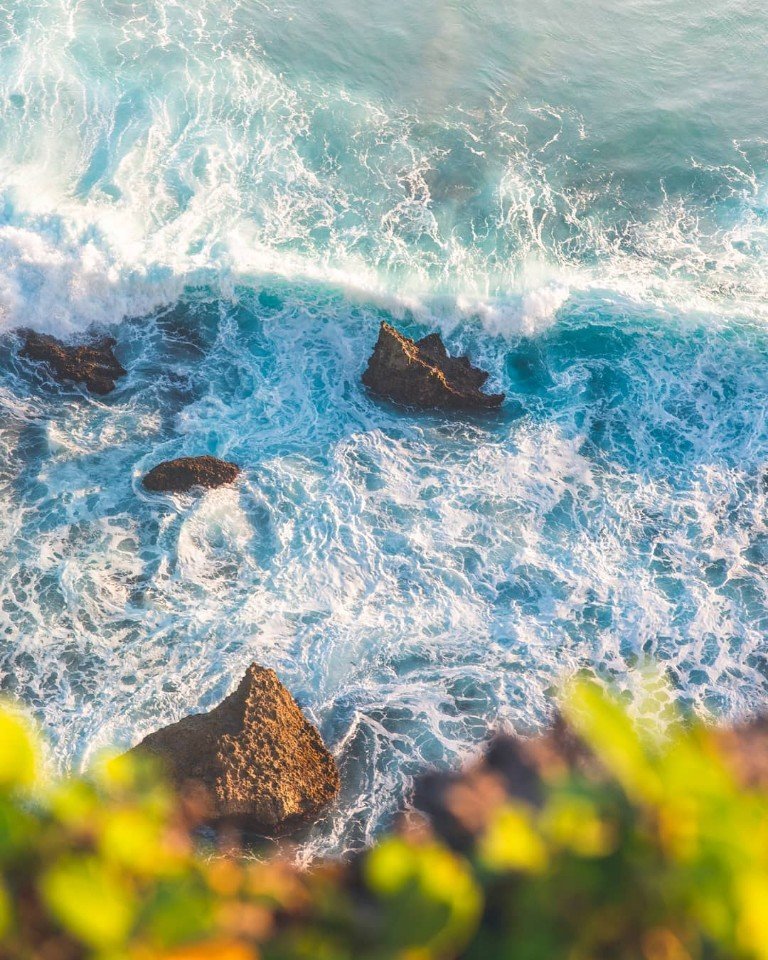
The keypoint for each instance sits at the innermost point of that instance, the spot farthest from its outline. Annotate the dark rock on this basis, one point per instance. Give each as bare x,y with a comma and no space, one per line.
460,804
257,759
180,476
422,374
92,364
744,748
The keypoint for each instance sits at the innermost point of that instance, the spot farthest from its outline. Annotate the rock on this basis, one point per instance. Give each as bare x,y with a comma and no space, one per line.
744,748
460,804
92,364
260,763
422,374
180,476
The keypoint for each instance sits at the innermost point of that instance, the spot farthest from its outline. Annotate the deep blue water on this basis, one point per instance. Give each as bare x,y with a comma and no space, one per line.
577,195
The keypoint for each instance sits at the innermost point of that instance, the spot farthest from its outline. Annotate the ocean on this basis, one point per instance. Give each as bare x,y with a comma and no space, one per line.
239,192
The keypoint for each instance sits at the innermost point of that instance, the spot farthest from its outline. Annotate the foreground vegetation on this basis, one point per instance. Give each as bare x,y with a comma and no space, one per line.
655,853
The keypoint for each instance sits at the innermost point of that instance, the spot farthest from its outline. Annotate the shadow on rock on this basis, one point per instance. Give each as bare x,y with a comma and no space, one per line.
92,364
422,374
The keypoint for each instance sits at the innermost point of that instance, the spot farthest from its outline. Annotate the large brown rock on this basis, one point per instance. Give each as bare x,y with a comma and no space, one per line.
422,374
92,364
259,761
182,475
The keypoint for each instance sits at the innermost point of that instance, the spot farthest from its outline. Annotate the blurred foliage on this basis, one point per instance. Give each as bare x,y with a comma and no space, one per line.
661,856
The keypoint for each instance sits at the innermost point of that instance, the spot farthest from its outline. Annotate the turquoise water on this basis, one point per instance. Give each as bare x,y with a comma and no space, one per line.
576,194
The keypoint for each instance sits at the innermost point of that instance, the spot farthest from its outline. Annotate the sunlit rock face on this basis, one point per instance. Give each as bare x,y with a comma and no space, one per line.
257,758
422,374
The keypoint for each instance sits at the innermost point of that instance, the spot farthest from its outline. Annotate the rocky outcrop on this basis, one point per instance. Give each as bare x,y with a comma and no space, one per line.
182,475
259,762
92,364
422,374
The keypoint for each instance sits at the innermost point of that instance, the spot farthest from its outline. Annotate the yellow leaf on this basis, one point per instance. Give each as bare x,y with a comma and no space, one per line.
388,866
605,726
574,823
89,902
753,920
132,839
18,756
74,803
512,843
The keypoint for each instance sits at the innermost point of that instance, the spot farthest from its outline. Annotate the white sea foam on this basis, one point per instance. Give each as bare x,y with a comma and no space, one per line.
220,171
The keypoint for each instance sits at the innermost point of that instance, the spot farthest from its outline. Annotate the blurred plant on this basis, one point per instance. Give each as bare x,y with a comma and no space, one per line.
650,851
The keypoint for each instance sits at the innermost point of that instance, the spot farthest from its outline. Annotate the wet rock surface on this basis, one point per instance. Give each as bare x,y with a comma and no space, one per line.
186,473
92,364
422,374
258,761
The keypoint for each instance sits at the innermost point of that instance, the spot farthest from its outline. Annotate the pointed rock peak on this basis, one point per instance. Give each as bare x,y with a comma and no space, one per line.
257,758
422,374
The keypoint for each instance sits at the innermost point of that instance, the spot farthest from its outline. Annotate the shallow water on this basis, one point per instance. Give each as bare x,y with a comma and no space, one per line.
575,194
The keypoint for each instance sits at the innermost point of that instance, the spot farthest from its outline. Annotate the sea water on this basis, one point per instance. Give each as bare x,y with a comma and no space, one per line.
240,191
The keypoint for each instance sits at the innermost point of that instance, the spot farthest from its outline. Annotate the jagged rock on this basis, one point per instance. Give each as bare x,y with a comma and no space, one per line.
422,374
260,763
180,476
92,364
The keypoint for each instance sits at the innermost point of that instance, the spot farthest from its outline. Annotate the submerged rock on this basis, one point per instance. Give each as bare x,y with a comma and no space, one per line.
92,364
258,760
422,374
180,476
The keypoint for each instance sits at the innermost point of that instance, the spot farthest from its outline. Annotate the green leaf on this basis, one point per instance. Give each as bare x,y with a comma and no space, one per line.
431,898
603,723
5,911
89,901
